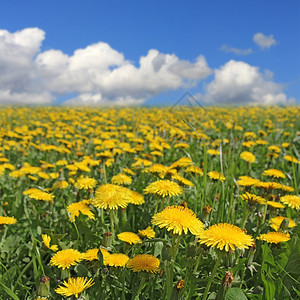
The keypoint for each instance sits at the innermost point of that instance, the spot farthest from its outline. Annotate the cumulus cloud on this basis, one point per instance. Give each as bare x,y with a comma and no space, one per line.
237,82
237,51
97,74
264,41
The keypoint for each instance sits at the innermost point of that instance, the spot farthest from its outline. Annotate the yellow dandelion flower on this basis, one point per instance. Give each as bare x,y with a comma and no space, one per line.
110,196
276,222
41,195
269,185
287,188
274,149
163,188
275,204
136,198
158,169
292,201
46,240
274,237
75,208
129,171
182,145
44,175
62,184
74,286
194,169
285,145
291,159
178,219
85,183
251,198
182,180
182,163
116,260
248,156
247,181
274,173
213,152
129,237
148,233
66,258
91,254
121,179
214,175
144,262
7,220
226,236
61,163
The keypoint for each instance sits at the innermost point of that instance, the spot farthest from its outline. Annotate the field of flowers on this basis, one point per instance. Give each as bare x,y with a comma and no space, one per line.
149,203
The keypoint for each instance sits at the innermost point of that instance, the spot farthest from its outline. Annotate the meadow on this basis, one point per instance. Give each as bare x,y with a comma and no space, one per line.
149,203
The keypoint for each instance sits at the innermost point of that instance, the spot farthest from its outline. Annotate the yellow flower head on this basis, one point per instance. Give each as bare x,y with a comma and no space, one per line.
115,260
269,185
136,198
274,237
275,204
163,188
248,156
251,198
41,195
292,201
148,233
85,183
75,208
194,169
291,159
66,258
274,173
276,222
178,219
214,175
226,236
111,196
74,286
46,240
121,179
144,262
247,181
7,220
182,180
129,237
91,254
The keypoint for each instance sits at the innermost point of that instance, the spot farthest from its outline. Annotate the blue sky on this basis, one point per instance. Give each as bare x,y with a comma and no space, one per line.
149,52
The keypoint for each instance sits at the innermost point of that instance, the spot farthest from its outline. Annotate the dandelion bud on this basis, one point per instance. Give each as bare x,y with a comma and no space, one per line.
227,279
205,212
44,287
177,290
180,285
107,239
284,224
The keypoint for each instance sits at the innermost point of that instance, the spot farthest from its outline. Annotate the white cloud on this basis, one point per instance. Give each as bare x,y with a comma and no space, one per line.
240,83
97,73
237,51
263,41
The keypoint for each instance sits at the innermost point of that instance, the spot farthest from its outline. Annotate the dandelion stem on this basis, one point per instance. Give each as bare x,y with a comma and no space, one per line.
212,275
111,214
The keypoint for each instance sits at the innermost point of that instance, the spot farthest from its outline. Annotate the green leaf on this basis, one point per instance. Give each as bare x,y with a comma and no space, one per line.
282,292
81,270
235,294
266,273
9,291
